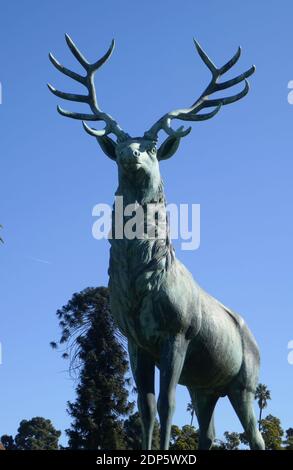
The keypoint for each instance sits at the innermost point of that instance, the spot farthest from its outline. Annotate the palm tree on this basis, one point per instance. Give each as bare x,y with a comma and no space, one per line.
262,395
190,409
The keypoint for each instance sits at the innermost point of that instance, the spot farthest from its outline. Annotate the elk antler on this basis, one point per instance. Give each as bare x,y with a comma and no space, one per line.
191,114
90,99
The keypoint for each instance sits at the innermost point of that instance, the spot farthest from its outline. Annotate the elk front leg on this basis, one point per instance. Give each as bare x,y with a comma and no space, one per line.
171,363
143,369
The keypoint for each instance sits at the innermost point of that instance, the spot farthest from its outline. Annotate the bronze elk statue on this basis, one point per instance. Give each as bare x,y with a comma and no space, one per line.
168,319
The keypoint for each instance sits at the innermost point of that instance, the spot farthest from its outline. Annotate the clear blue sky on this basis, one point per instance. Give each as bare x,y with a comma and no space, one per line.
237,166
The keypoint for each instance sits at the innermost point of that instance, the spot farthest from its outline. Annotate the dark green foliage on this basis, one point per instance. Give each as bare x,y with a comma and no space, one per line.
133,433
232,441
288,442
185,438
272,432
100,362
8,442
34,434
243,439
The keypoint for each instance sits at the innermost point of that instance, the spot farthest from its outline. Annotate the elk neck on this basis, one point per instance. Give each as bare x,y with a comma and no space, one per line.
138,264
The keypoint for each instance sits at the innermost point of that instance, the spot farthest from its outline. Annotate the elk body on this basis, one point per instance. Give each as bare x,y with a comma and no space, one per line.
168,319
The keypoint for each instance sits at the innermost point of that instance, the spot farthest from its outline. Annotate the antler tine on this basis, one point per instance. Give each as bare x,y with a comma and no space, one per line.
90,98
191,114
205,58
76,52
231,62
66,71
214,86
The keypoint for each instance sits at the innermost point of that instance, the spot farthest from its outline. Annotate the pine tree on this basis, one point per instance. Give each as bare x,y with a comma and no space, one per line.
133,433
35,434
100,362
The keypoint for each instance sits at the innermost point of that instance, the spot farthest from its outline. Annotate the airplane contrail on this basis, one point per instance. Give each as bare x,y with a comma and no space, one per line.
39,260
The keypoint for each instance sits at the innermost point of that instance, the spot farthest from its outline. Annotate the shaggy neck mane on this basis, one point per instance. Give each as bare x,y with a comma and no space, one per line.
139,264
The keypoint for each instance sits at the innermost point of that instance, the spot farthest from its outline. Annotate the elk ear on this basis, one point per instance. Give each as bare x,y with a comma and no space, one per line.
108,146
168,148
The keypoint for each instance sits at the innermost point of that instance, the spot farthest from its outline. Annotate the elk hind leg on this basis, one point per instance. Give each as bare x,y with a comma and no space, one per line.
242,402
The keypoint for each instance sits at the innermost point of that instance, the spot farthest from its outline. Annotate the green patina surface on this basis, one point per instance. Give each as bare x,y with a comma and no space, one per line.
169,320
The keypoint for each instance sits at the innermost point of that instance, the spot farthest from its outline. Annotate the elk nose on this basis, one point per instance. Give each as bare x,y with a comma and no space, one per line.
136,153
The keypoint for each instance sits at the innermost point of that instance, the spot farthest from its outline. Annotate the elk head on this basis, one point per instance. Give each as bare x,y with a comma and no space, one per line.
137,158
